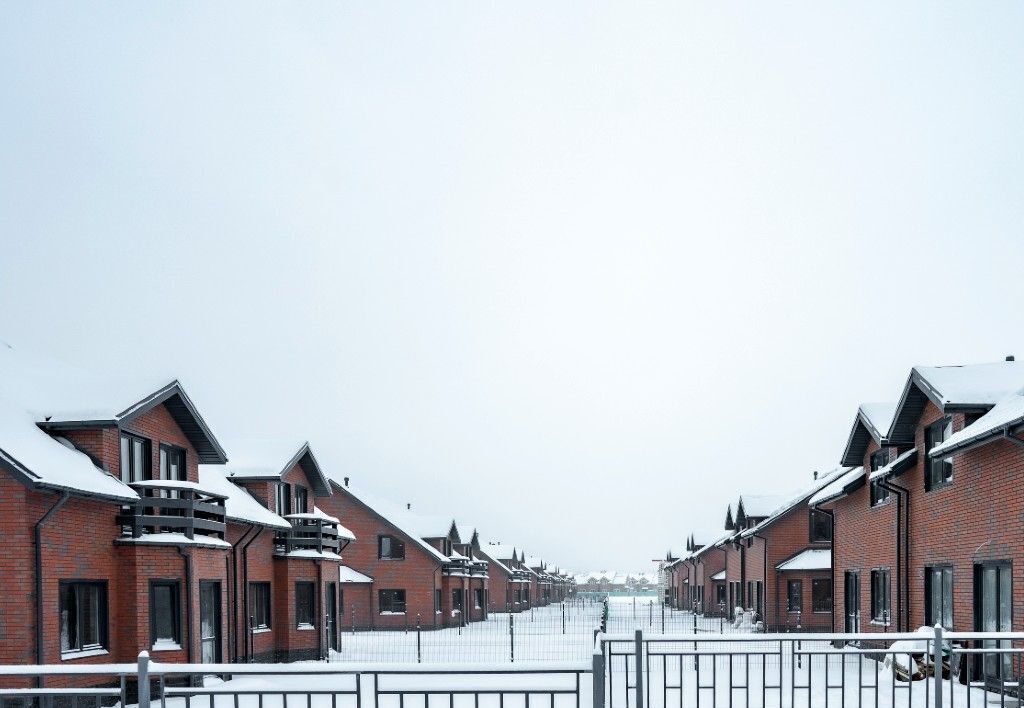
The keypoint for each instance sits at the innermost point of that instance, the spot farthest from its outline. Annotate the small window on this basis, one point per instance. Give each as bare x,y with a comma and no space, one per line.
83,615
526,594
880,595
165,613
437,601
879,494
134,458
821,595
389,547
391,601
305,604
937,472
172,463
457,600
820,527
794,596
938,596
478,598
259,605
284,498
720,594
517,595
301,500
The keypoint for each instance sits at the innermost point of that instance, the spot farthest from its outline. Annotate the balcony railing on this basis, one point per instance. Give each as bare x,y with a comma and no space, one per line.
172,506
456,566
311,532
478,568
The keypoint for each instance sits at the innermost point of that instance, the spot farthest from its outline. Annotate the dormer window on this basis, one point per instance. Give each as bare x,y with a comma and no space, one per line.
879,493
937,472
301,500
134,458
284,498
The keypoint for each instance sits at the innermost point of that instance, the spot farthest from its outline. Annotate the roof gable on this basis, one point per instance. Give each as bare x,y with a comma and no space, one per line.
270,459
872,422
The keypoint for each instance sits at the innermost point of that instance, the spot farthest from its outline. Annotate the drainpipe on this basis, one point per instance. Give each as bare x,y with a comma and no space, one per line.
234,590
320,605
764,574
188,602
245,595
832,563
39,578
434,574
902,556
728,583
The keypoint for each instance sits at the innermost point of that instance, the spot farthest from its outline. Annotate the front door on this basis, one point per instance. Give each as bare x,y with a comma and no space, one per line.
993,602
332,616
851,601
209,621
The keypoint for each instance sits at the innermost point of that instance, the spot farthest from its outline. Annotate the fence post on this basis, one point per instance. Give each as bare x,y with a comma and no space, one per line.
563,618
639,643
597,666
419,645
512,638
143,679
937,665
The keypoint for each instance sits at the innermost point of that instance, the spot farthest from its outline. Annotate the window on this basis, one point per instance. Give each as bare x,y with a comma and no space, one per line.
516,596
526,595
284,498
83,615
821,527
165,613
478,598
457,600
305,604
172,463
794,596
938,596
437,601
937,472
389,547
134,458
259,605
821,595
720,594
879,494
391,601
301,500
880,595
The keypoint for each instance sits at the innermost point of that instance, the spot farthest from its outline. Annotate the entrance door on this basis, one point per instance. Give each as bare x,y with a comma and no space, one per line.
332,616
993,602
851,601
209,621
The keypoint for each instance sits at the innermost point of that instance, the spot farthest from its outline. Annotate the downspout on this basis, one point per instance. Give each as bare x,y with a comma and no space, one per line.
39,577
764,574
728,583
832,563
245,595
234,590
188,601
320,605
432,600
902,559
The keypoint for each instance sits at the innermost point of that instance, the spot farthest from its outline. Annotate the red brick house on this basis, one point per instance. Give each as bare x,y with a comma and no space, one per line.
744,570
509,580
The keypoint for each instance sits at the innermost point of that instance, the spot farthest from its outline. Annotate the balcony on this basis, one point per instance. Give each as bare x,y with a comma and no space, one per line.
478,568
173,507
315,534
457,566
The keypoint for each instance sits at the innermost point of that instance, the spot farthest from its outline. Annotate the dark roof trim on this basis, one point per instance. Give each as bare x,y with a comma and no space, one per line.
861,435
30,480
850,487
307,461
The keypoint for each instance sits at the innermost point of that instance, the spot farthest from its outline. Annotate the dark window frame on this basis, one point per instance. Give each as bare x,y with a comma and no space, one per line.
390,599
166,450
175,586
817,517
794,591
828,602
392,539
937,473
479,598
881,595
930,571
301,499
67,588
283,496
879,495
256,589
135,475
303,610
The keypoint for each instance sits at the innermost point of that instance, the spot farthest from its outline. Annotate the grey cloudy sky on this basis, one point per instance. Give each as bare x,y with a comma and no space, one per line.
579,273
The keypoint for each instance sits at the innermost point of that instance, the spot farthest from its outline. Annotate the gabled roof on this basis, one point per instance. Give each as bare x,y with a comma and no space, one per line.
903,462
486,553
842,485
43,462
808,559
58,396
1003,419
268,459
972,387
871,423
757,506
392,514
798,500
500,551
239,505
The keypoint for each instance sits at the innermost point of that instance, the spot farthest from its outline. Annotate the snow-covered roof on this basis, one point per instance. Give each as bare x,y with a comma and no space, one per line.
838,487
872,422
485,551
761,505
174,539
500,551
901,463
312,553
810,559
350,575
720,575
1007,414
45,462
54,393
239,505
270,458
398,516
798,499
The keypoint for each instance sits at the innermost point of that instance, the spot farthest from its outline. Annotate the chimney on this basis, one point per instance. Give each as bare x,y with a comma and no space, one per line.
346,481
815,474
1009,357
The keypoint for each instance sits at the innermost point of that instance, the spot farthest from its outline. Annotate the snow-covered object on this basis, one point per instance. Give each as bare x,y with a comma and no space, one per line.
971,385
837,487
176,539
239,504
895,464
877,417
1007,413
350,575
800,498
906,653
720,575
810,559
761,505
47,463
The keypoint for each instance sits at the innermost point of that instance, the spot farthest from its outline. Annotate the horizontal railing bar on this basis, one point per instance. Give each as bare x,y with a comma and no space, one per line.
581,667
4,692
69,670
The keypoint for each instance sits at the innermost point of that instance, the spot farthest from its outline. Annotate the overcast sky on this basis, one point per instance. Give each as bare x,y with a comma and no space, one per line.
577,273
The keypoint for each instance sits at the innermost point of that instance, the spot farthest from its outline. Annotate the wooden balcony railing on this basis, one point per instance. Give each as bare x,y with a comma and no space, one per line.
311,532
171,506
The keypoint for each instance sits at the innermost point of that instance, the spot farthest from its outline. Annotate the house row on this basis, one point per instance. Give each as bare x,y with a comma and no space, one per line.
920,526
610,581
127,527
